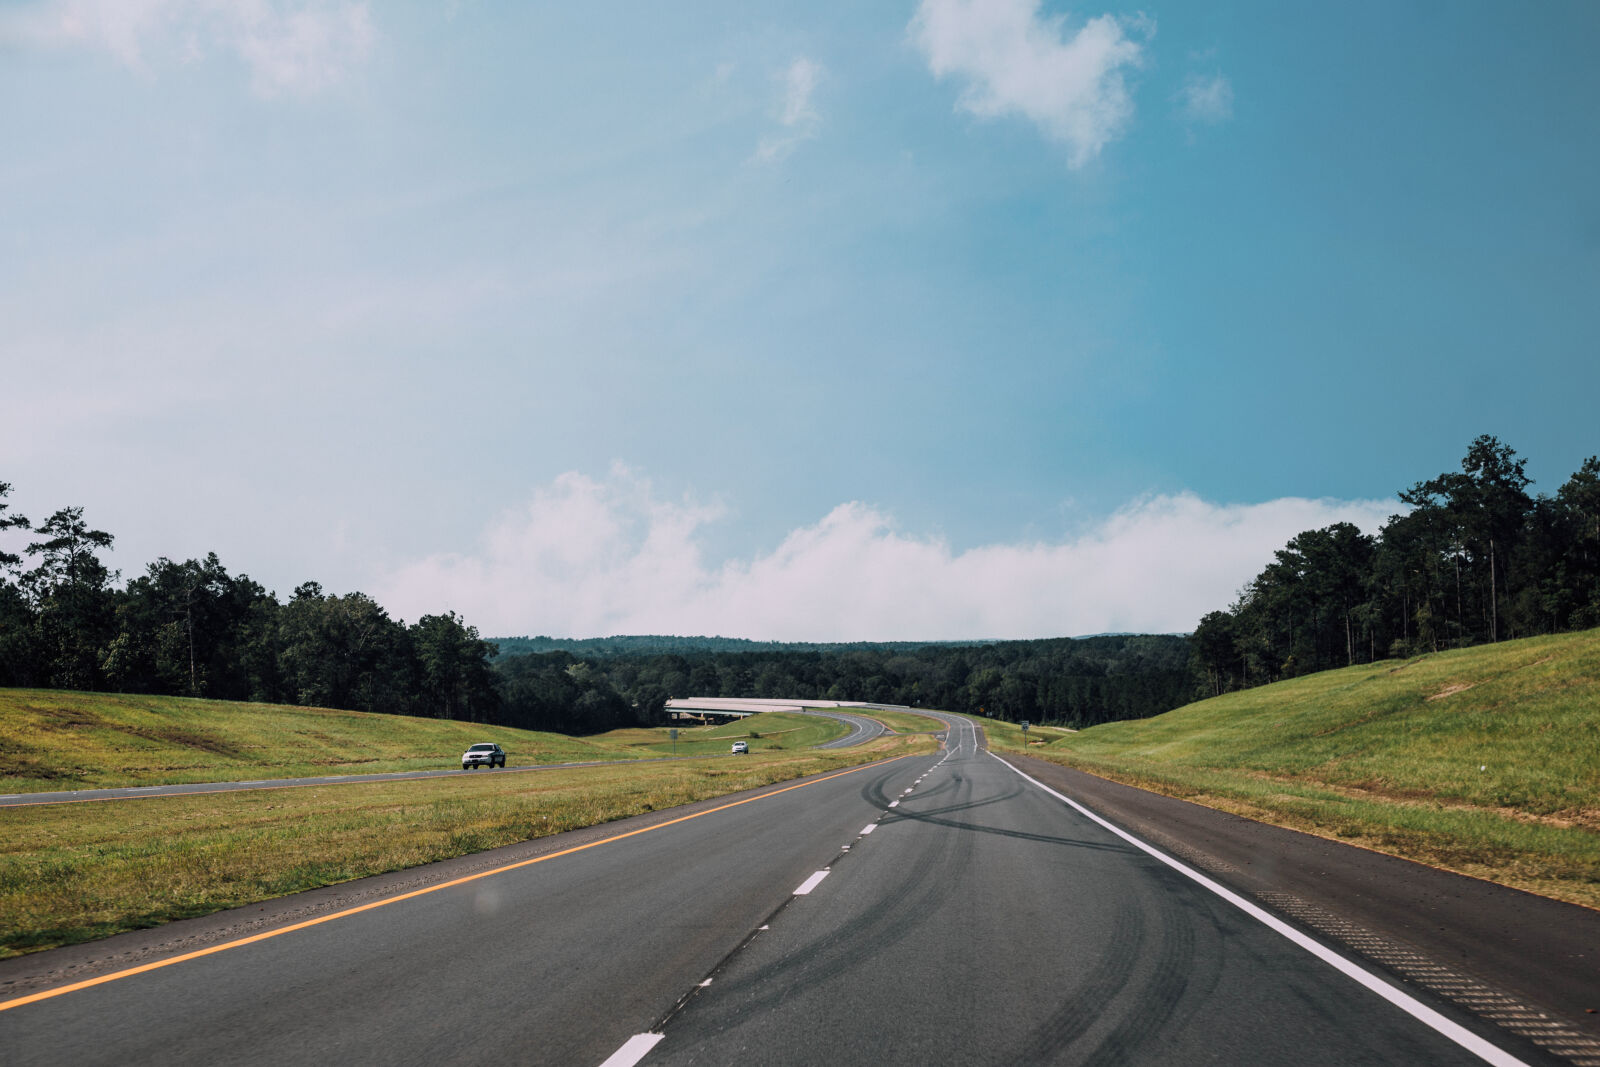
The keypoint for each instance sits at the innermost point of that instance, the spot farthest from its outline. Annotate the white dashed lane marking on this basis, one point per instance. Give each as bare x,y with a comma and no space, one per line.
810,883
633,1050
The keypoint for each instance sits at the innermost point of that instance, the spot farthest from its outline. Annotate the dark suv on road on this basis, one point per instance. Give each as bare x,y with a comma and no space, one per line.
488,755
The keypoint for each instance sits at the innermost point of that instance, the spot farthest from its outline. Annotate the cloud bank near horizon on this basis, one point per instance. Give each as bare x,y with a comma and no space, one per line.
587,557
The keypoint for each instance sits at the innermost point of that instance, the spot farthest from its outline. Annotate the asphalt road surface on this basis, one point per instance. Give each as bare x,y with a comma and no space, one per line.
862,729
952,911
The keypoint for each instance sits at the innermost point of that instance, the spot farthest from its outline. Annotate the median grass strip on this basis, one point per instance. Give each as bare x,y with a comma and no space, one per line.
1484,761
765,732
78,872
905,722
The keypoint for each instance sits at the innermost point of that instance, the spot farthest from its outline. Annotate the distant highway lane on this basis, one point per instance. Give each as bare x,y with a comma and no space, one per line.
940,909
862,729
143,792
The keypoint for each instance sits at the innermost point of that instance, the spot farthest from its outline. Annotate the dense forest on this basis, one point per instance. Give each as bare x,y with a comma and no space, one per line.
1475,559
1077,682
655,644
193,629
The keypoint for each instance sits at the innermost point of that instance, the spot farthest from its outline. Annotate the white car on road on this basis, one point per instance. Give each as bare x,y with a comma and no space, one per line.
485,755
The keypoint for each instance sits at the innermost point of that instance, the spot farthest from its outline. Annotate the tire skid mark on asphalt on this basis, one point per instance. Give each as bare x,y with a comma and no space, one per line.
1549,1033
1446,1028
658,1031
212,950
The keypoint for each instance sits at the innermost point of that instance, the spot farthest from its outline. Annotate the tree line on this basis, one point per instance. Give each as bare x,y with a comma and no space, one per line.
1475,559
657,644
193,629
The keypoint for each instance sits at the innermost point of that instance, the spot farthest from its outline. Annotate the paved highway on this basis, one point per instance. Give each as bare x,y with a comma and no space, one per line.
927,909
862,729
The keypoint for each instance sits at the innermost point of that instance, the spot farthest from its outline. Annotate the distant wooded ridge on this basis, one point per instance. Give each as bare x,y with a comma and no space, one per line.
1078,682
649,644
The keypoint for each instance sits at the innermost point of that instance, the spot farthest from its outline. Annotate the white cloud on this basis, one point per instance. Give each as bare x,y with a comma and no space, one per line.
1016,62
590,558
798,116
800,81
289,46
1206,99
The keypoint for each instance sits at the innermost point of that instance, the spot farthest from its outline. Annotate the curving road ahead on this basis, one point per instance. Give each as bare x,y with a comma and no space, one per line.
923,909
862,729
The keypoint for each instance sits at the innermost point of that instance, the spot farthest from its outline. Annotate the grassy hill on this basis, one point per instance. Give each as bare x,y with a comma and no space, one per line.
53,740
1484,761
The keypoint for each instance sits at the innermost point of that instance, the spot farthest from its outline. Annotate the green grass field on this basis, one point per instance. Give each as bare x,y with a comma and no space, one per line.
905,722
1484,761
53,740
1008,736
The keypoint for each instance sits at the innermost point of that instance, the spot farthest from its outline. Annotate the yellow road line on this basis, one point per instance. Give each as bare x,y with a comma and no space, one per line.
253,938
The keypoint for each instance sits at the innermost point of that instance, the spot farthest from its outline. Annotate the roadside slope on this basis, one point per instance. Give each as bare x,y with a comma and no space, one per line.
1484,761
54,739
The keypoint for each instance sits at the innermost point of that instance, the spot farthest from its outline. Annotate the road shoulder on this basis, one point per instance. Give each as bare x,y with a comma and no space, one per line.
1465,939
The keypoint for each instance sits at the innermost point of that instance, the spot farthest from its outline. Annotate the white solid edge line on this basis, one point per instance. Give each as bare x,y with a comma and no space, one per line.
1404,1001
810,883
632,1050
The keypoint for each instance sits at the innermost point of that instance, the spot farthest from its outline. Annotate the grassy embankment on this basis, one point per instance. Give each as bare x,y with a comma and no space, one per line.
74,872
1484,761
52,740
766,732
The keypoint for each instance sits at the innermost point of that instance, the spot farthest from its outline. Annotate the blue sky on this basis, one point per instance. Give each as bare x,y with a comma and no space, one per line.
810,321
